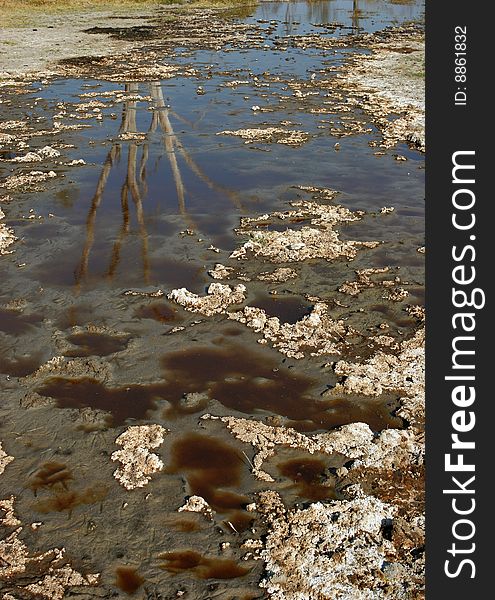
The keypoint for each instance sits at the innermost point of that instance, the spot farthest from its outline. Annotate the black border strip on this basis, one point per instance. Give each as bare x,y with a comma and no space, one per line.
458,124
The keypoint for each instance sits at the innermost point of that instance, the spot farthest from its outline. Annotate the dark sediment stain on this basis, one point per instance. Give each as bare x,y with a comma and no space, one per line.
67,500
210,465
158,311
238,378
14,322
186,525
238,521
289,309
418,293
134,33
49,475
128,579
378,413
96,344
233,331
202,567
308,476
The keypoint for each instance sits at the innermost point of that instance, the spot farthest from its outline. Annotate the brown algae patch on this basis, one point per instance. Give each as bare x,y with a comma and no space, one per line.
15,322
68,500
127,402
158,311
308,476
211,467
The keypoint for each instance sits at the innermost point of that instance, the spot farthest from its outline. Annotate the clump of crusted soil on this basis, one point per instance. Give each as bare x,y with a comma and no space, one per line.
7,237
218,297
319,239
315,334
278,275
404,373
197,504
338,550
270,135
5,459
29,181
137,462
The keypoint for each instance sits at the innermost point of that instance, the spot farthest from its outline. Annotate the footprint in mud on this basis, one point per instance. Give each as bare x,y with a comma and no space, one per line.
49,475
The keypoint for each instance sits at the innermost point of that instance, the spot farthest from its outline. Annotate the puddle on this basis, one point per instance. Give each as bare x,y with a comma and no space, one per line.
308,476
96,344
289,309
16,323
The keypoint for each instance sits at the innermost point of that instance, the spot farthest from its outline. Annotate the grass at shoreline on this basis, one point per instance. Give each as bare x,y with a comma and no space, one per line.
25,13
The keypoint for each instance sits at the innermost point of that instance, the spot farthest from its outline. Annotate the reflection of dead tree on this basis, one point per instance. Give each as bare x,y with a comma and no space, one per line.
356,13
191,163
91,219
135,186
169,139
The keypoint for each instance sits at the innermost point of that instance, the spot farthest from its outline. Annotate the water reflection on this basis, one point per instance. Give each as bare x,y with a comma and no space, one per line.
357,14
134,185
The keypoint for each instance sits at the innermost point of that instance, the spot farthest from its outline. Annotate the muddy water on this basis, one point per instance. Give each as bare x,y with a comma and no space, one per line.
157,212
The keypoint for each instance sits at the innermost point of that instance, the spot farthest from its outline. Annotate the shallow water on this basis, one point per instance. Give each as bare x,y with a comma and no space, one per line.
143,215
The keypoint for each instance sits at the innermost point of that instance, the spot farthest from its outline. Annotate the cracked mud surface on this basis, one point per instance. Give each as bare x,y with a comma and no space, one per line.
212,336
